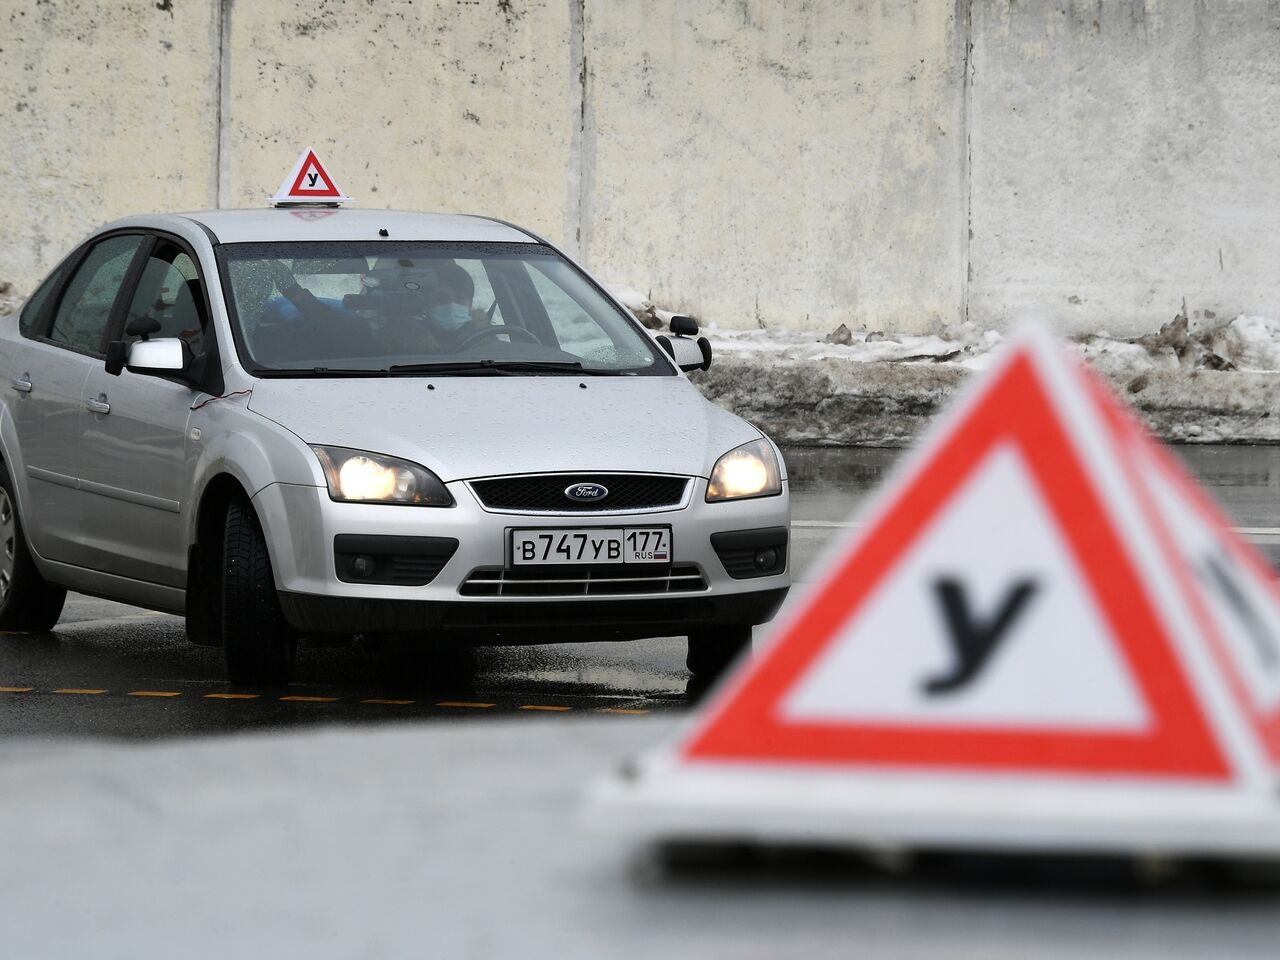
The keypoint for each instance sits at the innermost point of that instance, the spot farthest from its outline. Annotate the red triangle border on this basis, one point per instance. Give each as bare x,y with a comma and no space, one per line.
296,191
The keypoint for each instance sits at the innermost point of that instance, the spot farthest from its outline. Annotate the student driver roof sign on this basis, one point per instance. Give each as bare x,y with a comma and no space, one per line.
308,182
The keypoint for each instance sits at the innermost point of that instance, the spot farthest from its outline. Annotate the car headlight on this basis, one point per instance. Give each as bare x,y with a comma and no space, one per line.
357,476
750,470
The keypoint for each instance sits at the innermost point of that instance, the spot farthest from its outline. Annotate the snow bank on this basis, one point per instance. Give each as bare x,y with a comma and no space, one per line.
1207,382
1250,344
1253,343
641,307
965,347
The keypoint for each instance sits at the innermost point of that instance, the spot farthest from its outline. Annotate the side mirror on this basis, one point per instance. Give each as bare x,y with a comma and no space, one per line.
163,357
117,353
688,354
683,326
143,326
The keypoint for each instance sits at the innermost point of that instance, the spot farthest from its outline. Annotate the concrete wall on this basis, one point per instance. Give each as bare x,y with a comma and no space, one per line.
454,107
1124,156
773,163
104,109
891,165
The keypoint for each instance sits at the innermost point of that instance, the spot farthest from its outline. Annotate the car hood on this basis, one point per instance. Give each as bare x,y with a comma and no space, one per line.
466,427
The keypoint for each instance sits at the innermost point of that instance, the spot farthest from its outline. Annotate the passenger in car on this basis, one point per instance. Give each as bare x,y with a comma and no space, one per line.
331,329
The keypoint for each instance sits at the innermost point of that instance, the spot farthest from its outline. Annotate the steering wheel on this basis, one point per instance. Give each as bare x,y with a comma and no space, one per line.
498,330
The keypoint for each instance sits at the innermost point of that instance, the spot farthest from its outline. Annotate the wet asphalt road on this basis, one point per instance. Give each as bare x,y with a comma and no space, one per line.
116,671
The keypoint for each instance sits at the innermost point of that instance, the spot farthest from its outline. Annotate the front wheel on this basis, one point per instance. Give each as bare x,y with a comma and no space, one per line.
712,650
259,645
27,603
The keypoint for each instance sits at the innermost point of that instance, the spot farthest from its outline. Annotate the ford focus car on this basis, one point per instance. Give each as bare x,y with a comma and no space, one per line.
322,423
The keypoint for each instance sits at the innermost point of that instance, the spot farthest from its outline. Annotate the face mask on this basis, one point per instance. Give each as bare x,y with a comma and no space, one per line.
451,316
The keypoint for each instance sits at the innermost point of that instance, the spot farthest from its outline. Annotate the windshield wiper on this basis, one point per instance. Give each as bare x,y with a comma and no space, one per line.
322,372
499,367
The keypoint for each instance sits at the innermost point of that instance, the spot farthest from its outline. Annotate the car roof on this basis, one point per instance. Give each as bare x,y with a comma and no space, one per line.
330,223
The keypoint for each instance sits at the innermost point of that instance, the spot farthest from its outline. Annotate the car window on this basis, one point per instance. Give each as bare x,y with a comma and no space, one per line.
316,308
34,308
576,330
169,292
485,301
82,315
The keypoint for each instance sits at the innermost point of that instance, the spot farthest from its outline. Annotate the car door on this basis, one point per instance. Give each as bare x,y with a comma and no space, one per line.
50,367
133,474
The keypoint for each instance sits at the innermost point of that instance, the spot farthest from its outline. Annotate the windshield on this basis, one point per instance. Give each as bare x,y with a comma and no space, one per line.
308,309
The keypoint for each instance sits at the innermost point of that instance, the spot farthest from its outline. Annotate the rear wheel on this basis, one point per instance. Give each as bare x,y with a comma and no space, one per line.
260,646
712,650
26,601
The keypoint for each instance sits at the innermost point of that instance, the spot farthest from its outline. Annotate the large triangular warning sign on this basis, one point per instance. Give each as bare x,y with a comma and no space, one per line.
997,564
1041,634
308,182
1234,594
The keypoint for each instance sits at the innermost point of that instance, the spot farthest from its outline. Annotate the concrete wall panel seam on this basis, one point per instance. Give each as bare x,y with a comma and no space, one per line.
586,143
964,15
572,238
222,158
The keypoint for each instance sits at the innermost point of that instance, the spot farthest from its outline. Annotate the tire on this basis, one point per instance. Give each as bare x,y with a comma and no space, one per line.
259,645
27,602
204,601
712,650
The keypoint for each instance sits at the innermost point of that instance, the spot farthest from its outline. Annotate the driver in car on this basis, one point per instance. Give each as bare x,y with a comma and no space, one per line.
421,306
449,306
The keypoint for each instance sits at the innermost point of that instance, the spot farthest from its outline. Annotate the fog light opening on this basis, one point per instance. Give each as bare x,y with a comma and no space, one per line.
766,558
363,565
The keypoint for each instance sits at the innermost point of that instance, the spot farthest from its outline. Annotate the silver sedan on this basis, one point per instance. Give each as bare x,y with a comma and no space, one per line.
296,423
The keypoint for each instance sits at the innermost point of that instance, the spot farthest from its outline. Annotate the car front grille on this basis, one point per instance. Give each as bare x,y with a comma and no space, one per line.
545,493
581,581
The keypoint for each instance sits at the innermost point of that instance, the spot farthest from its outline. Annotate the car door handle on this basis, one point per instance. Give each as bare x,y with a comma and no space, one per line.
98,406
21,385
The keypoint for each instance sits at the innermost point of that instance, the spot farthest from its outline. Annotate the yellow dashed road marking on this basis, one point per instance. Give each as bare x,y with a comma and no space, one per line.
300,698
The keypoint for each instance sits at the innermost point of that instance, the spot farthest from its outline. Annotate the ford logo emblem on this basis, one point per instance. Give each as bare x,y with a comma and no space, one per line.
586,492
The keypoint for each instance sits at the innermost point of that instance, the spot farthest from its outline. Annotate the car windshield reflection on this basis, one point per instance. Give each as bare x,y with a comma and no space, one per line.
357,309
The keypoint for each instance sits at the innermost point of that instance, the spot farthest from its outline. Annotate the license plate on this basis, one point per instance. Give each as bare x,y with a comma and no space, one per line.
589,546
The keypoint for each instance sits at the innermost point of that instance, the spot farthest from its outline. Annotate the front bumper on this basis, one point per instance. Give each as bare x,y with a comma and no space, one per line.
302,524
522,621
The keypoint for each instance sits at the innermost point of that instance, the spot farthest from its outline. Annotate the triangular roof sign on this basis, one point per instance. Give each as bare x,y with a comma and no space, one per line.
308,182
1041,634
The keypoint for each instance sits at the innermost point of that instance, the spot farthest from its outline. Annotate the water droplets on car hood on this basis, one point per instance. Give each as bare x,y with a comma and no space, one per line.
484,426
